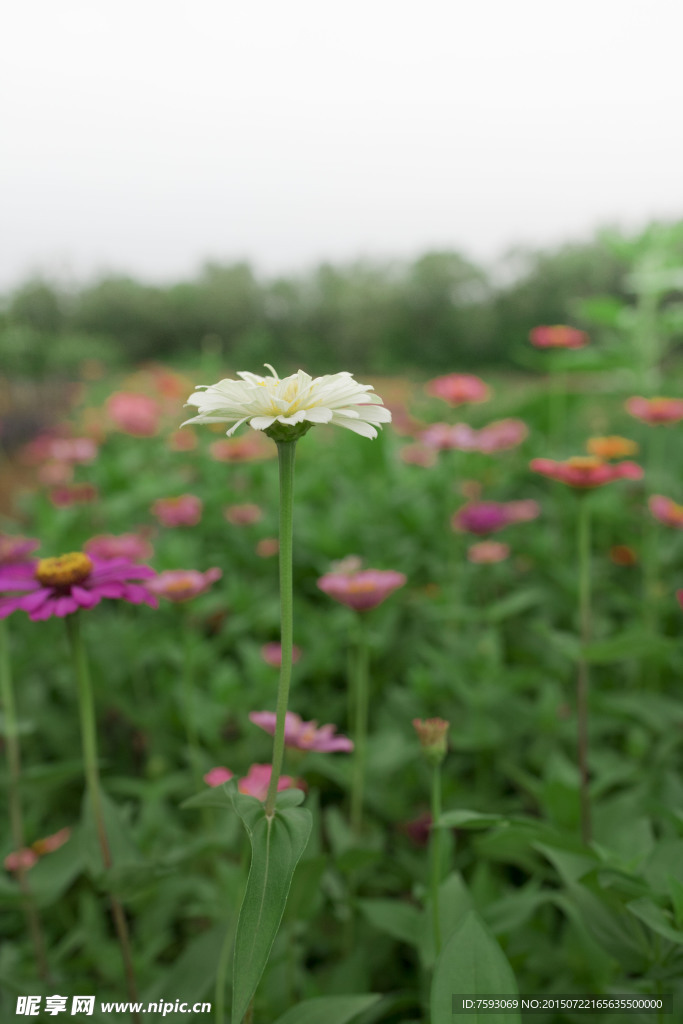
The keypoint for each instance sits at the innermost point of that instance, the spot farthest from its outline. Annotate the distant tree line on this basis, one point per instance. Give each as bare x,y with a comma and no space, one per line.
440,312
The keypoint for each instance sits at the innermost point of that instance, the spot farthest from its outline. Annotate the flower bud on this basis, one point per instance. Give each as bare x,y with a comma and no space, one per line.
433,733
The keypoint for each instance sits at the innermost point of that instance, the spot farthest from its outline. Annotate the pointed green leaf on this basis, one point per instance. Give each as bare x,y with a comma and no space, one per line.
215,796
471,963
277,844
396,918
469,819
331,1009
656,918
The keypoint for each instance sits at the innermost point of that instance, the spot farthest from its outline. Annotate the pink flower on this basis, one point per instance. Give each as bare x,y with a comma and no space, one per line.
361,590
586,471
185,510
655,410
182,441
666,511
501,435
217,776
256,782
243,515
133,546
183,584
486,552
267,547
459,389
303,735
73,449
418,455
558,336
134,413
272,654
16,549
73,494
496,437
489,516
20,860
241,449
60,586
51,843
55,474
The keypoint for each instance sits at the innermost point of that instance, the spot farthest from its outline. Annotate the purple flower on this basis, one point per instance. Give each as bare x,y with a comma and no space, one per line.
60,586
489,516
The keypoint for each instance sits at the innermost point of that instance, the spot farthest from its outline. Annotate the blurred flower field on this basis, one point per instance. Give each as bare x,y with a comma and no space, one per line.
482,824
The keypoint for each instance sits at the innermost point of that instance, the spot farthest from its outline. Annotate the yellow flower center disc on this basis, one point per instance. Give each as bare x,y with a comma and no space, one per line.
64,570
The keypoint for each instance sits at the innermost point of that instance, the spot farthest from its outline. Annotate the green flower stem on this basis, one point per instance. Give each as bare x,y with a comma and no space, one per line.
15,809
360,731
286,451
582,681
189,705
435,851
650,537
92,777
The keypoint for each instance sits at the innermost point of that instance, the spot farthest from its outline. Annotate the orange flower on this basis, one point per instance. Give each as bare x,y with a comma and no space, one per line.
613,447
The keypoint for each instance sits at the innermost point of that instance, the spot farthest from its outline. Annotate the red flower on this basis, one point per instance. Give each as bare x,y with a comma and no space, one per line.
586,471
361,590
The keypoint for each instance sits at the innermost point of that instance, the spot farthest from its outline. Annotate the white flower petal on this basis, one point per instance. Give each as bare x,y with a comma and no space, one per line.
261,422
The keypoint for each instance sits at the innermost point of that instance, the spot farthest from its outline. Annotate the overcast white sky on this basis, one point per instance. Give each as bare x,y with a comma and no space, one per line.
148,135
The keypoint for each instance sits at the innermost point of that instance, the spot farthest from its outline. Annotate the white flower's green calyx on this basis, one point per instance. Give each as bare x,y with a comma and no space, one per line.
300,399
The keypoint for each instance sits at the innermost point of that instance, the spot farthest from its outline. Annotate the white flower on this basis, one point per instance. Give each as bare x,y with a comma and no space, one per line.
262,401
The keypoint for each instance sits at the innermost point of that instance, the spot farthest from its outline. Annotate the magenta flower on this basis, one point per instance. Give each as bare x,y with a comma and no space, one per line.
490,516
498,436
60,586
182,584
487,552
666,511
586,471
185,510
132,546
15,549
272,653
134,413
267,547
361,590
243,515
655,410
303,735
459,389
558,336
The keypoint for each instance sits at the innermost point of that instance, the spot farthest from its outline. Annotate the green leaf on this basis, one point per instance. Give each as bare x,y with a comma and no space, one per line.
471,963
331,1009
215,796
455,900
469,820
676,890
194,970
396,918
277,844
634,643
656,919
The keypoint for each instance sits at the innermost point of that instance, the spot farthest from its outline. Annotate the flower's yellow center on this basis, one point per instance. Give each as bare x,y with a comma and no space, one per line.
64,570
584,462
184,586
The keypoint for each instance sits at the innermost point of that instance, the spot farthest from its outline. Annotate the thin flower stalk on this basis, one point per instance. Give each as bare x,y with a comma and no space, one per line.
359,687
89,741
13,755
435,854
286,451
582,682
